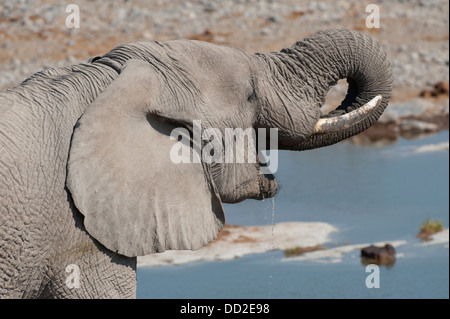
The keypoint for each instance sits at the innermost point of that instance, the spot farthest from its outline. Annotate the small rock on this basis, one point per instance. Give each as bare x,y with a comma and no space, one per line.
402,48
274,18
265,31
378,255
209,7
440,89
414,56
147,35
121,14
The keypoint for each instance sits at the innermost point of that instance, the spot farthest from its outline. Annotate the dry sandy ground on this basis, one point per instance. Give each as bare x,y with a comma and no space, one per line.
33,34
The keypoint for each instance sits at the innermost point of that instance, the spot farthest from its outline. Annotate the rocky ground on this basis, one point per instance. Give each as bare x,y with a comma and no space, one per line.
33,36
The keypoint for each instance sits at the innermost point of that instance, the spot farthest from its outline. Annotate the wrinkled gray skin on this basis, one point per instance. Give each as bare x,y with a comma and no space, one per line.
86,177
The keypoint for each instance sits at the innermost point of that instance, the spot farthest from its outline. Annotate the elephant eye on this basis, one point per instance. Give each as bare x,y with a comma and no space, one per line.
252,96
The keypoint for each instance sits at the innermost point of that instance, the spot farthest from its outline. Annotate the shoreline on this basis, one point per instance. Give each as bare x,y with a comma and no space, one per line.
237,241
410,119
409,114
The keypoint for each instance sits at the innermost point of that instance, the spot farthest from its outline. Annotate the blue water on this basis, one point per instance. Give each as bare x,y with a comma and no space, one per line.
369,193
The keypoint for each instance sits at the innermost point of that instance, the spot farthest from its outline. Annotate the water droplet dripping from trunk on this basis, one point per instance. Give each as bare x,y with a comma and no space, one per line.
272,247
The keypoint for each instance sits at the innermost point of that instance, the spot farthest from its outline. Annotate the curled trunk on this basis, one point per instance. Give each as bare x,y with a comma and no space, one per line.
312,67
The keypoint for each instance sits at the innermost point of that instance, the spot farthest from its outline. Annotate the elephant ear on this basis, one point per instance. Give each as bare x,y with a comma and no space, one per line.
134,199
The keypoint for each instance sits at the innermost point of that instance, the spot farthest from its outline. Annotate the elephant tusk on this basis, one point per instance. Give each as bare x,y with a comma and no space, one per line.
341,122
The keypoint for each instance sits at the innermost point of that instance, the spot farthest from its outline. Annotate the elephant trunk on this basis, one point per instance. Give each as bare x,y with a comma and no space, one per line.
309,69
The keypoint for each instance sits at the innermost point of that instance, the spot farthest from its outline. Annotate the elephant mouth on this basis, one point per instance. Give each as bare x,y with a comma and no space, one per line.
268,186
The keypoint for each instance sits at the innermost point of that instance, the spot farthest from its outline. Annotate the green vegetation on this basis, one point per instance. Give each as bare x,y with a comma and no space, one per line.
430,227
299,250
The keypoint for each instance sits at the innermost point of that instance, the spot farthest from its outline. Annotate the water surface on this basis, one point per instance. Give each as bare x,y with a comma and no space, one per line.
370,194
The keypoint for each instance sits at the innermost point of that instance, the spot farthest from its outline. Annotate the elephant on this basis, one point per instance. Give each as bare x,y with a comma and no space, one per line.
87,183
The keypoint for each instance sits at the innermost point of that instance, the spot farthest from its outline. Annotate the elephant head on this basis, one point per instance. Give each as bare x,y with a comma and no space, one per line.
136,200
